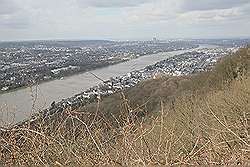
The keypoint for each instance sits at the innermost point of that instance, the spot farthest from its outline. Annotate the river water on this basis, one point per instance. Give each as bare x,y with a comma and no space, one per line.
24,101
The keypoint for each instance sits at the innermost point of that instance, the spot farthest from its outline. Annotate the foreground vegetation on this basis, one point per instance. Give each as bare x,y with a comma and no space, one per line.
194,120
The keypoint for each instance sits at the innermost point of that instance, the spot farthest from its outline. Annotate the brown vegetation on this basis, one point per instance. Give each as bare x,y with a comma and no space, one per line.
195,120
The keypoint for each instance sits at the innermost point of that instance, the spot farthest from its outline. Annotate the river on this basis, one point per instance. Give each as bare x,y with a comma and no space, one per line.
21,103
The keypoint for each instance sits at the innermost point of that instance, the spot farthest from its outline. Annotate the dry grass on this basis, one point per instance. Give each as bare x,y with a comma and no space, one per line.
197,120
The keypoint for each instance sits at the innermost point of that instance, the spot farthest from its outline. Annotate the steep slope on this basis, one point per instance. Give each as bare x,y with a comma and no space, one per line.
201,119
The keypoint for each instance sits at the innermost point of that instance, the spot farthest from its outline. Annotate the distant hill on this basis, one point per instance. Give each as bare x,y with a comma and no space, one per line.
55,43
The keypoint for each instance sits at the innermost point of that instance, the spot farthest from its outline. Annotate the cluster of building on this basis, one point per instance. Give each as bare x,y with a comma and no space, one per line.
183,64
26,63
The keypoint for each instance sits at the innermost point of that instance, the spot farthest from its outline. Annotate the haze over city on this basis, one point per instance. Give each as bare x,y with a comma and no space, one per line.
123,20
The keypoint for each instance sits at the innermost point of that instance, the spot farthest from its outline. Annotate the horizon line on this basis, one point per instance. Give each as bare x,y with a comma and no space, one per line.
113,39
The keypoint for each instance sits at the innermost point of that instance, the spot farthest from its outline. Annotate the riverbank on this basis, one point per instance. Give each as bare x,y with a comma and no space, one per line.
59,78
35,99
201,60
11,80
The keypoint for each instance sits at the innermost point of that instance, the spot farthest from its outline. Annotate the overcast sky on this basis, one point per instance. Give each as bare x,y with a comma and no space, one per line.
123,19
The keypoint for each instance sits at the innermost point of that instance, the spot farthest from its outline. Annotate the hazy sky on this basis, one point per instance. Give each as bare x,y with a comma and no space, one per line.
123,19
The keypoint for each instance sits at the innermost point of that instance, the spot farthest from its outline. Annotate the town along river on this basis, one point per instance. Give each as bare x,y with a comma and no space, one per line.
24,101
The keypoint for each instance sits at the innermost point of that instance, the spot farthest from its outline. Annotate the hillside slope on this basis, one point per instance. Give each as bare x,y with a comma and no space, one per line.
201,119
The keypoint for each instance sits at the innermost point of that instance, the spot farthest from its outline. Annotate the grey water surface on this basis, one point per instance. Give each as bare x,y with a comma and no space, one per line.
24,101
